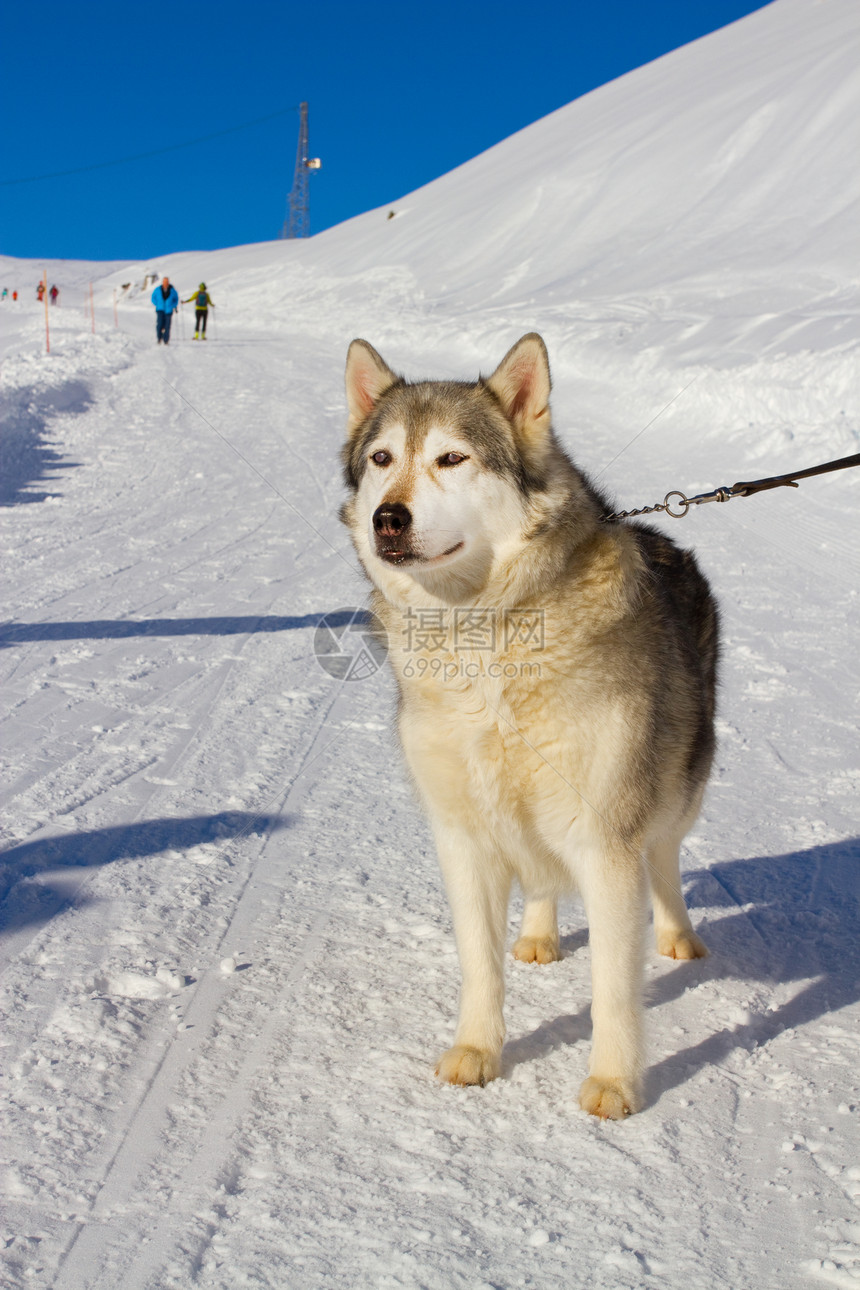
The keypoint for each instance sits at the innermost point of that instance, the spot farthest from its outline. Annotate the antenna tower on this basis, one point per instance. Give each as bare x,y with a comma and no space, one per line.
298,221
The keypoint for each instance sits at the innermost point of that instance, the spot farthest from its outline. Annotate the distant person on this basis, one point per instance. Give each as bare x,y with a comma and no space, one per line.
40,292
166,299
5,292
14,295
55,291
202,301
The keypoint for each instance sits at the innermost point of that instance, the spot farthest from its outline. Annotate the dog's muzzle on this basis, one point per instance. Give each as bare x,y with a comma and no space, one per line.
392,522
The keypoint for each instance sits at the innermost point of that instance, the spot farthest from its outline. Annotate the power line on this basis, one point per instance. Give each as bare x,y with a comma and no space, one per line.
157,152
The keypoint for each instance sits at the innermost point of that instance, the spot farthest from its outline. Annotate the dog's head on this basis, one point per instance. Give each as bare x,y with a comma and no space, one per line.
442,473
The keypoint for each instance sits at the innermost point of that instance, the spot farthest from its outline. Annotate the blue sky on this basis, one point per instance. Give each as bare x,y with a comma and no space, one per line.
399,93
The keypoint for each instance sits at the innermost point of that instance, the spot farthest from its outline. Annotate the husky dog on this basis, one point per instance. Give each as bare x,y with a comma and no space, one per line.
556,678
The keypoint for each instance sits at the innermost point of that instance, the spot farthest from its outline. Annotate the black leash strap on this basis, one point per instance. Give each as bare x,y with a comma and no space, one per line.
746,488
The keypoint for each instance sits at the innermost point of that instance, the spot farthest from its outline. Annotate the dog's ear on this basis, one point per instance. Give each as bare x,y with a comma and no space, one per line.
522,384
367,379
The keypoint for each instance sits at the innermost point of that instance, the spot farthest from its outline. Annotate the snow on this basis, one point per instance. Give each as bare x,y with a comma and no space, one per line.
227,959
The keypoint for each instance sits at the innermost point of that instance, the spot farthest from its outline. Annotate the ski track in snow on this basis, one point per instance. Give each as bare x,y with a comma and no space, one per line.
226,960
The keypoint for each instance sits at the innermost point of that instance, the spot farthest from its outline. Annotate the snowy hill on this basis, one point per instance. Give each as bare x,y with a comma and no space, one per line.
227,962
734,155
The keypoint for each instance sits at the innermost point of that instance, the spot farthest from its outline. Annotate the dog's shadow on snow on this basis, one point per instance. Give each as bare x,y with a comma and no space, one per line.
789,918
559,1032
27,453
130,628
38,879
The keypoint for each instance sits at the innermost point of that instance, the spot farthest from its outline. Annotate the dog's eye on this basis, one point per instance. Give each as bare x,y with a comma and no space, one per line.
381,458
452,459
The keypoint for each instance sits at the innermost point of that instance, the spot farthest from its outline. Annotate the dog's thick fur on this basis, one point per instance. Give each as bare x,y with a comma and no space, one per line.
573,755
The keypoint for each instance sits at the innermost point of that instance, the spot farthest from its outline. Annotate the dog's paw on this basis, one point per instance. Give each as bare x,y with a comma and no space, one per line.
537,949
464,1065
609,1099
681,945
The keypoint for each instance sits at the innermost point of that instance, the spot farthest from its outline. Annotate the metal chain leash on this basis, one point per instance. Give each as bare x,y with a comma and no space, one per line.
678,509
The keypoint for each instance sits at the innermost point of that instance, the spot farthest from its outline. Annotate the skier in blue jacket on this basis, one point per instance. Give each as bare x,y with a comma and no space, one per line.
166,299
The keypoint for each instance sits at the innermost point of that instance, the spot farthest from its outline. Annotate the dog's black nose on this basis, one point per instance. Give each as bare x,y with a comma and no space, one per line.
391,519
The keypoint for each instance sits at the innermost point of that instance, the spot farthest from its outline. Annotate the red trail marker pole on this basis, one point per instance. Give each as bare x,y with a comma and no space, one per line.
47,327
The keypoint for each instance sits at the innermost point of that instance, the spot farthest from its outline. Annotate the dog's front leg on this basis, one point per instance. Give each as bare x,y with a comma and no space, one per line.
613,889
478,887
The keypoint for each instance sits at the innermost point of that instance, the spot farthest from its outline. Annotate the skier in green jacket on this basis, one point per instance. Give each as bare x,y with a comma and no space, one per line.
202,301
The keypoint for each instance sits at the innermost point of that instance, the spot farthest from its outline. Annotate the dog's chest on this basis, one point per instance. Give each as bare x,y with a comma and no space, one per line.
488,733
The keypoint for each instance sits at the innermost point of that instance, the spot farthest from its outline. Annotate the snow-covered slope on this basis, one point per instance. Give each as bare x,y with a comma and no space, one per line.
227,963
732,155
